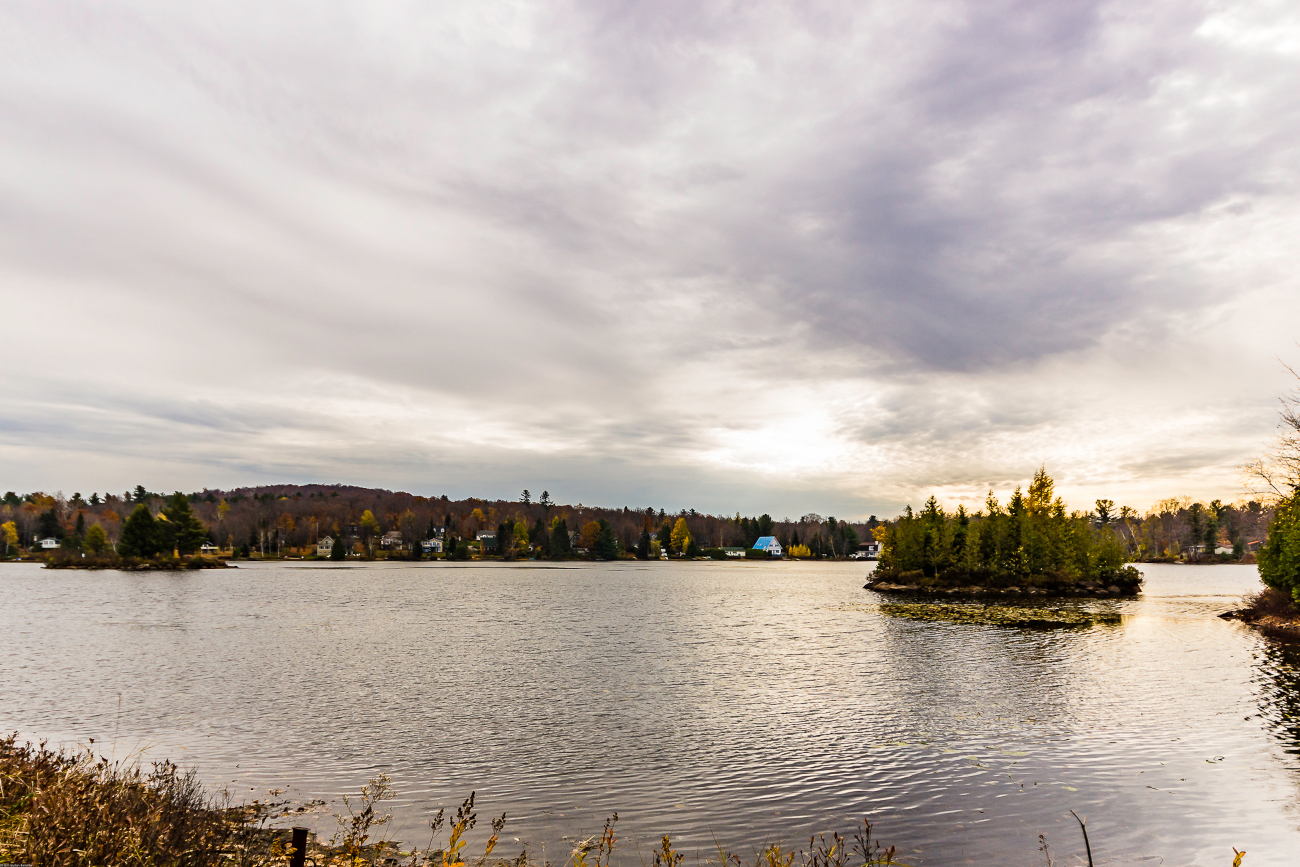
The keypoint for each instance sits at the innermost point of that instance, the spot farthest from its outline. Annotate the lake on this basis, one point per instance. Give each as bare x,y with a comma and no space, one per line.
742,702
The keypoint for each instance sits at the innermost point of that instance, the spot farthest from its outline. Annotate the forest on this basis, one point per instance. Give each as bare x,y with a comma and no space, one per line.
287,520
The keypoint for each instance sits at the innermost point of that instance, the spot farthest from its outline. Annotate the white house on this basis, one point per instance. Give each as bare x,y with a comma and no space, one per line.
770,545
431,546
208,548
324,546
734,552
48,543
392,539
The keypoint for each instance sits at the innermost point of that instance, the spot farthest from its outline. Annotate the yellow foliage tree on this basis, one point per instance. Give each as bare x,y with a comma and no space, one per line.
590,532
11,535
681,535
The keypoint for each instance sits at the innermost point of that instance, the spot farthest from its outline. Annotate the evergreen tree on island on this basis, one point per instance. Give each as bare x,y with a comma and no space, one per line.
140,536
185,530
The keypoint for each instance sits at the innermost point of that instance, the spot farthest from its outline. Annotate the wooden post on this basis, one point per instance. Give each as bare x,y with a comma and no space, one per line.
299,857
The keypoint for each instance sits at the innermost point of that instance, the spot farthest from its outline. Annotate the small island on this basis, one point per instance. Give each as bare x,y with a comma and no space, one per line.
1030,547
171,541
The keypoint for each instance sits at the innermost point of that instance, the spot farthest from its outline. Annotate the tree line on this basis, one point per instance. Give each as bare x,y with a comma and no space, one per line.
278,520
282,519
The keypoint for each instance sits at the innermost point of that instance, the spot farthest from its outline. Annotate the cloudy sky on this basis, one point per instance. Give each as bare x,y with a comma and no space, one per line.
748,256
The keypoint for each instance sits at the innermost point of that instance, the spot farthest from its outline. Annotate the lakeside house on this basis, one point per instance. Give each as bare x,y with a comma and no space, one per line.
867,551
48,542
431,546
392,539
207,548
325,546
734,552
486,541
770,545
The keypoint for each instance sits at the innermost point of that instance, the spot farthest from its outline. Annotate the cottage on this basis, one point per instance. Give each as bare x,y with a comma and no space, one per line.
867,551
431,546
486,541
48,543
770,545
392,539
208,549
734,552
325,546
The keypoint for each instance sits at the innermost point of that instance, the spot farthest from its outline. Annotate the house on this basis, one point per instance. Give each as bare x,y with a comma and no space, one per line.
431,546
486,541
1222,549
392,539
208,549
770,545
734,552
867,551
48,543
325,546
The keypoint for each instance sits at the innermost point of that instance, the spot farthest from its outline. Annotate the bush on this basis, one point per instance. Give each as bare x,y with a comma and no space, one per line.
1279,559
1269,603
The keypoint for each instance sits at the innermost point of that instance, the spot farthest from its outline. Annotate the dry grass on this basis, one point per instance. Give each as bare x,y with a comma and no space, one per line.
75,809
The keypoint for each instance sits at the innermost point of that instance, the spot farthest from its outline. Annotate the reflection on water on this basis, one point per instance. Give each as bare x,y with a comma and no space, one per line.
1279,689
733,701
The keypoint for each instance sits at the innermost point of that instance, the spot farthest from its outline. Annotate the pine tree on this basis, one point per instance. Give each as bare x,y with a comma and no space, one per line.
186,530
561,545
606,547
643,546
338,550
139,534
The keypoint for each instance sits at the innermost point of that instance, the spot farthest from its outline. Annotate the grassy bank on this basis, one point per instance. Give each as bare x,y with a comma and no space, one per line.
72,808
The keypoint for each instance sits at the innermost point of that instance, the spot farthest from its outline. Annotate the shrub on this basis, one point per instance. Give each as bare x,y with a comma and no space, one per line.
1279,559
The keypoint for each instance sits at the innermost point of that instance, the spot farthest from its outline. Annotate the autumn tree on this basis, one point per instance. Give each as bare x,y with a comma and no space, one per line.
680,535
369,527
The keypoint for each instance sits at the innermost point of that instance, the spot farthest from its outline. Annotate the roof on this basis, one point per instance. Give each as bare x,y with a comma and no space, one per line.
765,541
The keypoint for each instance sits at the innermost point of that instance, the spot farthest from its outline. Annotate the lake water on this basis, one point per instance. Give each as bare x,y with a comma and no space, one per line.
738,701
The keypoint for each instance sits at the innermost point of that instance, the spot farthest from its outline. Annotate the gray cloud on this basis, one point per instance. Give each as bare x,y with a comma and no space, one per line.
821,253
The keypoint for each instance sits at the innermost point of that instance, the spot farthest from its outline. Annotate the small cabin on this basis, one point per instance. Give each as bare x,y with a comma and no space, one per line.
48,543
770,545
208,548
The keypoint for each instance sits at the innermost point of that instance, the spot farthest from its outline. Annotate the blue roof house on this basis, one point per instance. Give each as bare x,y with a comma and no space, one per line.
769,544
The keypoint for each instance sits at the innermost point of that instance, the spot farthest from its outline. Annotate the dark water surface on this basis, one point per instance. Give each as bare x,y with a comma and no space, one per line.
731,700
